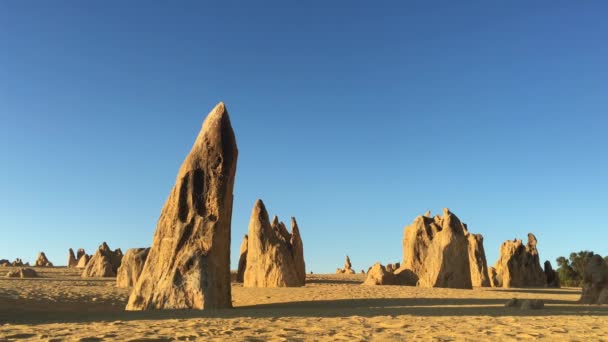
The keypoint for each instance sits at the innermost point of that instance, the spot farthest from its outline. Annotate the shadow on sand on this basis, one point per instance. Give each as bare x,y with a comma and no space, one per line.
321,308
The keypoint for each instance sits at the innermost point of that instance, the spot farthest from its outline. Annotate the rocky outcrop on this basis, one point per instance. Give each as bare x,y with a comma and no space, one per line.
379,275
240,273
436,250
79,253
18,262
131,266
188,266
519,265
72,261
83,261
104,263
297,250
595,282
22,273
392,267
42,261
348,267
477,261
552,278
493,277
4,262
274,256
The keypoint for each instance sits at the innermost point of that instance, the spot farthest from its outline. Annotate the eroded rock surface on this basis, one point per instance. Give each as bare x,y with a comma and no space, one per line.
188,266
240,273
379,275
104,263
436,250
519,265
274,256
131,266
348,267
72,261
42,261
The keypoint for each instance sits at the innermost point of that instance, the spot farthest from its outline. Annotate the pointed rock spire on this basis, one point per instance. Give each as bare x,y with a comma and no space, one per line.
240,274
72,262
189,262
297,250
270,262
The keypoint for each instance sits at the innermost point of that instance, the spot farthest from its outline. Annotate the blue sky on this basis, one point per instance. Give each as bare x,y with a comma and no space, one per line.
352,117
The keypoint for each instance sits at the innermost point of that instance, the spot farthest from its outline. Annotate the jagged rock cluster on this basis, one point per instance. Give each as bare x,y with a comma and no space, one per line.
188,266
104,263
379,275
79,260
42,261
595,282
131,266
440,252
348,267
518,265
274,257
17,263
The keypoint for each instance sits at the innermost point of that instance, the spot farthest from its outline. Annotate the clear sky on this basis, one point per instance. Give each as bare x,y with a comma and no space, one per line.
353,116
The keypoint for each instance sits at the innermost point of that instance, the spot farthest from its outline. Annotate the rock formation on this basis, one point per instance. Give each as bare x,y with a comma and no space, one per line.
18,262
348,267
595,282
104,263
436,250
188,266
22,273
519,265
551,276
477,261
274,256
42,261
493,277
297,250
379,275
240,273
4,262
79,253
72,261
83,261
130,267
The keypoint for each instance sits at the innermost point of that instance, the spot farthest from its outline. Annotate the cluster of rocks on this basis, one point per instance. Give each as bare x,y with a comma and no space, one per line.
437,252
272,257
518,265
595,281
348,267
17,263
80,260
188,265
22,273
104,263
42,261
441,252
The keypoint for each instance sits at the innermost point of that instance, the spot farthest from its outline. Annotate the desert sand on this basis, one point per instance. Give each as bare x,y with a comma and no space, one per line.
60,305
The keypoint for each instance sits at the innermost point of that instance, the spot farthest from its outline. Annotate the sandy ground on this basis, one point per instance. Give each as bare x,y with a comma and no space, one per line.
62,306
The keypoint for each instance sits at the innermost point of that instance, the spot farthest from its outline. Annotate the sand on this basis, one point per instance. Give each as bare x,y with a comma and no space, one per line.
62,306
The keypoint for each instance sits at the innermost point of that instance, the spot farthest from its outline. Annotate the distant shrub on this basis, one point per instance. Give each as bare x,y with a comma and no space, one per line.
571,270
